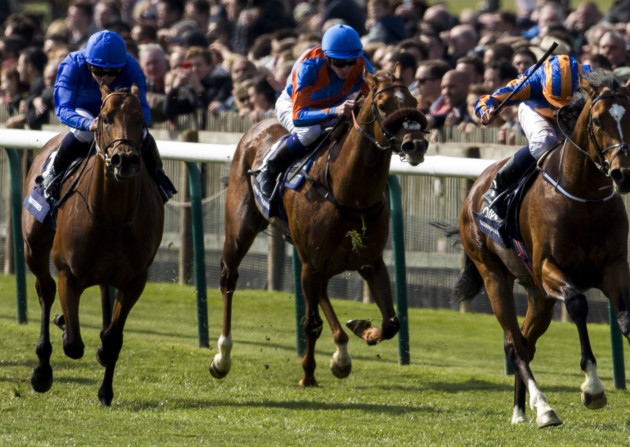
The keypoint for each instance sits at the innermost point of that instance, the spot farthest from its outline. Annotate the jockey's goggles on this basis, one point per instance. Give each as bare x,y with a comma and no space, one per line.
99,71
340,63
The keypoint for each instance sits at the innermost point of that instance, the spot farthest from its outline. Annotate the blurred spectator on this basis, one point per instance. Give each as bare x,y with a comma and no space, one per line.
383,26
455,85
414,47
199,11
199,84
143,33
106,12
13,94
472,65
154,64
79,20
408,67
586,14
522,59
23,25
349,11
428,84
10,48
38,111
30,66
498,51
304,15
240,97
263,99
498,73
242,68
619,12
613,45
257,18
435,47
597,61
462,40
168,12
439,17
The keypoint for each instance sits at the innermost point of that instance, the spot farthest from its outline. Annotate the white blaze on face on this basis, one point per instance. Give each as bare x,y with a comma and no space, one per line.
400,97
617,112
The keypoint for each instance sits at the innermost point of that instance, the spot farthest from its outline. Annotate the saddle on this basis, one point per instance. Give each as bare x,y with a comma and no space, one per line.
38,203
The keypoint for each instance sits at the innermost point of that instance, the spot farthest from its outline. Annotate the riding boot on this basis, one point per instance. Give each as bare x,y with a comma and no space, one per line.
276,162
69,149
151,157
507,175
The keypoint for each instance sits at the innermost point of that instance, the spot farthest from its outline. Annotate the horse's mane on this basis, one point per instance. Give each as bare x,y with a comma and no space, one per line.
571,112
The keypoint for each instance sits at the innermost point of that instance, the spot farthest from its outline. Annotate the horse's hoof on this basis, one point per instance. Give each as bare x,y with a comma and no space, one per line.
105,397
340,371
60,322
548,419
358,326
75,351
308,382
100,356
42,378
594,401
216,373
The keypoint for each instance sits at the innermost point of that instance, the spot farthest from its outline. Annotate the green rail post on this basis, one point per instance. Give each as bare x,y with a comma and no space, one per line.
299,305
616,342
18,240
194,182
400,268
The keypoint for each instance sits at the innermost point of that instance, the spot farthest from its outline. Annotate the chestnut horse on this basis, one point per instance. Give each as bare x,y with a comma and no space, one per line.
574,228
337,222
109,228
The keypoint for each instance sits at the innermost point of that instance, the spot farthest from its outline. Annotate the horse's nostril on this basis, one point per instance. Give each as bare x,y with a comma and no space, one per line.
115,160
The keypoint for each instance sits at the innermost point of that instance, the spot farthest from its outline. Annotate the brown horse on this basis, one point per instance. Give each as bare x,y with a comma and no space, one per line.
338,222
108,231
574,227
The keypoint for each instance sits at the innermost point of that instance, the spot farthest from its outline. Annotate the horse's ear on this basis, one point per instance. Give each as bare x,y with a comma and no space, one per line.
105,90
587,88
369,79
135,91
398,70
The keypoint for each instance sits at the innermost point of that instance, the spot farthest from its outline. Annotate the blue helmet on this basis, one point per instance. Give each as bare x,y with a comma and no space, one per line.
342,42
106,49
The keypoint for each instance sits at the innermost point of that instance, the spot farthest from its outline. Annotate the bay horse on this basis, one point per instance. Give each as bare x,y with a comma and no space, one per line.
574,228
109,227
337,222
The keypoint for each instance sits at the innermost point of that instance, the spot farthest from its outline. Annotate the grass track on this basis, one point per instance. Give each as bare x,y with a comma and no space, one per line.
454,393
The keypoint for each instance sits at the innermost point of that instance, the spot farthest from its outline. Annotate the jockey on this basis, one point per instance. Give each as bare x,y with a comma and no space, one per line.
547,89
320,89
77,99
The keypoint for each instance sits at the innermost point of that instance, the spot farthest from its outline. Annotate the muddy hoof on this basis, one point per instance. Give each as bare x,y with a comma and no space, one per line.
340,372
216,373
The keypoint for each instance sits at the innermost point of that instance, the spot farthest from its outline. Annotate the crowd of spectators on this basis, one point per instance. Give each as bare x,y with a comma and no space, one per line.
217,56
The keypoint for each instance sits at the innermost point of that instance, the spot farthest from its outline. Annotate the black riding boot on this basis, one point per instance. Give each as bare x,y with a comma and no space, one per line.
275,163
151,157
509,174
69,149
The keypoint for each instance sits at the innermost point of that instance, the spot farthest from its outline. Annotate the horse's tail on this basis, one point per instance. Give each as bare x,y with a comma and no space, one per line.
469,283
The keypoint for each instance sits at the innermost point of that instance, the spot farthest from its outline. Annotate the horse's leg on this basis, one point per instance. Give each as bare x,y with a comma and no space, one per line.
242,224
535,324
69,296
556,284
379,284
312,283
42,377
341,361
499,286
112,337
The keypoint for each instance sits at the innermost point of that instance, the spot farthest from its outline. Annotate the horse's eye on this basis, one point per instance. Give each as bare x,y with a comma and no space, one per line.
105,119
381,107
596,122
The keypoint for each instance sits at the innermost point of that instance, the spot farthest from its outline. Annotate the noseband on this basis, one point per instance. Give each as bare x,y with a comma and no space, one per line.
103,151
393,142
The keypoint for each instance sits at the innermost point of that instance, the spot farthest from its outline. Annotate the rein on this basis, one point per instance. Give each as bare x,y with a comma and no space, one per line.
602,165
103,151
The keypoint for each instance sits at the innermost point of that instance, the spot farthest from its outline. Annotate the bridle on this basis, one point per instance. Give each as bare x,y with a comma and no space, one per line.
393,143
104,151
602,164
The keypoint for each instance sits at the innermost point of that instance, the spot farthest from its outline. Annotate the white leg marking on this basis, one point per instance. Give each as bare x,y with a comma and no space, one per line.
518,416
537,400
592,384
341,357
222,360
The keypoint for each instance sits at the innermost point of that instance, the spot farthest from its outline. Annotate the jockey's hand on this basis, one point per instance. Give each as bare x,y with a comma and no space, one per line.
345,109
94,125
488,116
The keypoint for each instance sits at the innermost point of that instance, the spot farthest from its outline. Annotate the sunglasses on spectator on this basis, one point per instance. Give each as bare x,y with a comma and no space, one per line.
340,63
423,80
98,71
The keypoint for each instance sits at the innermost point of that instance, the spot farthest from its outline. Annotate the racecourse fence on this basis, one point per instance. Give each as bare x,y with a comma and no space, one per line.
433,261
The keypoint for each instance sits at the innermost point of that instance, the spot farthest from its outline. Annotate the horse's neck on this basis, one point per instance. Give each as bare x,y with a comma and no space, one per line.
359,172
110,201
577,173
